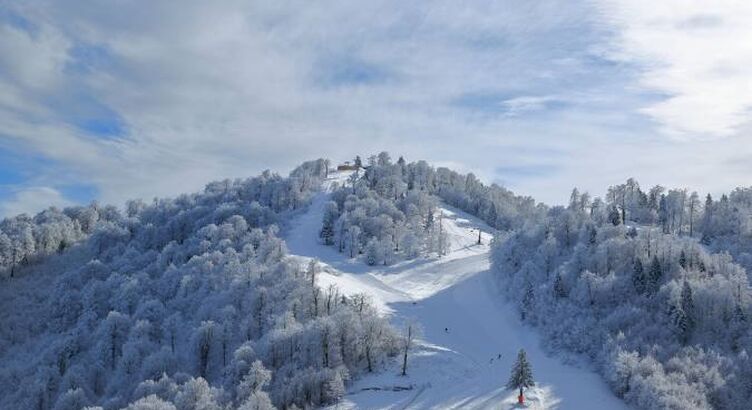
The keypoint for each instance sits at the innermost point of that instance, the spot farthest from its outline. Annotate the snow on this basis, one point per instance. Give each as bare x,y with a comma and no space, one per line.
458,367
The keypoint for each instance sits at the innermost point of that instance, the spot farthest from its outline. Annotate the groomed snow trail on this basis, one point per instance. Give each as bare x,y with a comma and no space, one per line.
466,326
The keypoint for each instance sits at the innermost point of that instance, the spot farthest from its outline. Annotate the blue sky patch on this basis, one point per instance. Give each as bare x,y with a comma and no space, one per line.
89,115
105,126
88,57
17,21
349,70
79,193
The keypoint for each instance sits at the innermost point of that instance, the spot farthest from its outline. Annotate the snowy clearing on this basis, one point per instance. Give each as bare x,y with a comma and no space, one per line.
470,335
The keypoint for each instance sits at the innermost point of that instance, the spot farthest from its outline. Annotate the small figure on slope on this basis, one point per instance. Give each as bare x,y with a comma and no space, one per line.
522,375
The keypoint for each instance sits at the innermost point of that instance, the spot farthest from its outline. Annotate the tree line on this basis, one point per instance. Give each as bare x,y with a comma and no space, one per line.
187,303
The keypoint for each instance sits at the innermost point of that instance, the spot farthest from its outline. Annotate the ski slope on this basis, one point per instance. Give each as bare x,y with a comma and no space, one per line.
466,326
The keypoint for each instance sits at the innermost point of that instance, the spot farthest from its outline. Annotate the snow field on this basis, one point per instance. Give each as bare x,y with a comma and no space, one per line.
470,335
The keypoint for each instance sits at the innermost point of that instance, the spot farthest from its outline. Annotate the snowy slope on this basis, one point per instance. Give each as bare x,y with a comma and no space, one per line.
457,367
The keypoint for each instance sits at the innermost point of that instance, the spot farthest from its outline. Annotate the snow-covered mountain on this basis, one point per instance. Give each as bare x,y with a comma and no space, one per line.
395,285
470,336
189,303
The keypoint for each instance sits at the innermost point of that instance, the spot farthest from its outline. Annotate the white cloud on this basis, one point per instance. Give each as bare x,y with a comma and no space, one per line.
520,105
32,200
695,55
211,90
38,58
215,90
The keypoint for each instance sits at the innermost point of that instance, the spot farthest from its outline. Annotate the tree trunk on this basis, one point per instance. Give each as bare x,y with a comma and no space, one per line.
368,359
407,349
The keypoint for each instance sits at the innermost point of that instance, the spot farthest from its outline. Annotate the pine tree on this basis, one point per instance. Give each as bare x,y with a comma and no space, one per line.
560,291
593,237
522,373
527,301
681,322
493,216
372,251
331,213
334,389
402,165
687,322
429,220
663,216
707,221
687,302
654,275
738,327
638,277
614,216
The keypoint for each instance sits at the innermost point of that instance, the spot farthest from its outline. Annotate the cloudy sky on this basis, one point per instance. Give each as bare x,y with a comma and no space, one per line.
125,99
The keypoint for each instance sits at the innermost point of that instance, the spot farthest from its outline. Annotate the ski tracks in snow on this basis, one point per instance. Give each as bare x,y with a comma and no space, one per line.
456,368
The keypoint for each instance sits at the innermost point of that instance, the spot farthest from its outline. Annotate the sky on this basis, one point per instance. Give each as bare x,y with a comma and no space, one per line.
110,101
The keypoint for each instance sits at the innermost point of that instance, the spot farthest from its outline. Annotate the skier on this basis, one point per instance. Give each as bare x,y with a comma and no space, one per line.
446,330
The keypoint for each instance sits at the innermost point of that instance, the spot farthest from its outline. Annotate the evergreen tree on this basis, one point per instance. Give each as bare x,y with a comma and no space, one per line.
738,327
331,213
614,216
707,221
560,291
522,373
372,251
574,201
527,301
334,389
593,237
681,323
687,322
687,302
402,166
429,220
492,216
683,261
663,216
654,275
638,277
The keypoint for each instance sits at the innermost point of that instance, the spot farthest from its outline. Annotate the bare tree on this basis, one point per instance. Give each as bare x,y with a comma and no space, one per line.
412,330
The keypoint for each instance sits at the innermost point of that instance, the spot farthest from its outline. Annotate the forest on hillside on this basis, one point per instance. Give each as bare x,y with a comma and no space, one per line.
391,210
184,303
651,286
192,302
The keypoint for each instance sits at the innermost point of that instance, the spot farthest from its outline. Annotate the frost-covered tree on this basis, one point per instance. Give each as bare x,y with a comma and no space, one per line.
331,213
660,314
395,207
522,373
174,304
